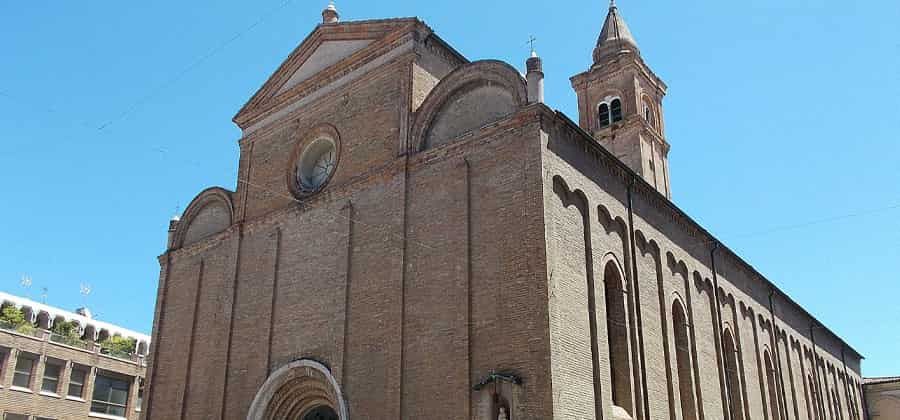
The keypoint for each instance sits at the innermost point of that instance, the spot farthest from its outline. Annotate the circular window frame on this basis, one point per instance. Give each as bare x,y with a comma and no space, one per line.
312,136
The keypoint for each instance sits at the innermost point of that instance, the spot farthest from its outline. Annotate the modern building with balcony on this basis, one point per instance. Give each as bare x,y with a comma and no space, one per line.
62,365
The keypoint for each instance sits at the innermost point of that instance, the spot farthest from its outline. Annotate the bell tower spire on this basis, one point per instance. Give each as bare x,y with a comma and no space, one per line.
620,103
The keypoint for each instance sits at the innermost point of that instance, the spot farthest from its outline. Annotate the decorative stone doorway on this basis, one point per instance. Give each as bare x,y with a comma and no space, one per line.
301,390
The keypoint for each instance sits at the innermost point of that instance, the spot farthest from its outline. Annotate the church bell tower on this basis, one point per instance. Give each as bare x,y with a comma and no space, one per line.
620,103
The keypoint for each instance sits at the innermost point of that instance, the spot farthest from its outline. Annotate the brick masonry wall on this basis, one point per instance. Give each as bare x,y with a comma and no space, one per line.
413,276
663,245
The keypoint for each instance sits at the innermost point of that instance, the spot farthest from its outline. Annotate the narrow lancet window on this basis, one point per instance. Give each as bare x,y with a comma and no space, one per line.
775,412
732,372
618,338
683,362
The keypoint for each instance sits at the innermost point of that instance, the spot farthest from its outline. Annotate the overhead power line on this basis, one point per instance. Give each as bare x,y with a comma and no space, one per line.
196,62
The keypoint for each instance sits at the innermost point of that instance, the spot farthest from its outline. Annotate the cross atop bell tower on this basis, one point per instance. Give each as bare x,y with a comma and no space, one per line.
620,103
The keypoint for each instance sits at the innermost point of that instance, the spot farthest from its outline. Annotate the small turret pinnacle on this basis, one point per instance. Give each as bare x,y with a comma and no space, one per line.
330,14
535,75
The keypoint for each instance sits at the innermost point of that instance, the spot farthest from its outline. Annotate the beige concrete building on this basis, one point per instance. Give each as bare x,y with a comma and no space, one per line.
417,236
882,398
46,375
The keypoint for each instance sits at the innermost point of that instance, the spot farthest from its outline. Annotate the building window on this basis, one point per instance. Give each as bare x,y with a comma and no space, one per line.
76,382
735,405
110,396
616,110
683,362
11,416
814,396
43,418
649,115
52,373
604,115
140,395
24,370
4,354
610,112
774,406
618,337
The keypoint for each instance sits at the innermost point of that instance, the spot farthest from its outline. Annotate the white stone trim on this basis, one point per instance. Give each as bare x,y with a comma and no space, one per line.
105,416
54,312
49,394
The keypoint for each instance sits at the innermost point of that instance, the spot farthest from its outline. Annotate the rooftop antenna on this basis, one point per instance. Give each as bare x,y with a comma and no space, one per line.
44,291
26,283
85,291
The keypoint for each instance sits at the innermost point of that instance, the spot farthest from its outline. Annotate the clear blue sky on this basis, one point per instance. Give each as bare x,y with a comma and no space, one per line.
779,114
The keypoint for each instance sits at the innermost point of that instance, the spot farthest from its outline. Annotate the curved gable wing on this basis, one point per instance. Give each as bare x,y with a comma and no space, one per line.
210,213
469,98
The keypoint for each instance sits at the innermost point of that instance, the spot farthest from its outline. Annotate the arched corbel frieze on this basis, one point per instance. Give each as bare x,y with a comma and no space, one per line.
568,197
676,266
703,285
611,224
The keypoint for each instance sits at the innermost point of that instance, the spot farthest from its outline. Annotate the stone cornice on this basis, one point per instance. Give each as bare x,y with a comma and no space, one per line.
633,62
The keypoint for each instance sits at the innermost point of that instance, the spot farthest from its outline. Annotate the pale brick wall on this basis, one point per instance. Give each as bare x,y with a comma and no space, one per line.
58,406
741,288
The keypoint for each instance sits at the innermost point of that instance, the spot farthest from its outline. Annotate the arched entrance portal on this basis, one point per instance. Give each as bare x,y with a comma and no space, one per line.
301,390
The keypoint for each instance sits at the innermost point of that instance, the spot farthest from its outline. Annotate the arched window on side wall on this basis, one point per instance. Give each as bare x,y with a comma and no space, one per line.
683,362
616,110
814,396
649,115
604,115
618,337
732,372
774,411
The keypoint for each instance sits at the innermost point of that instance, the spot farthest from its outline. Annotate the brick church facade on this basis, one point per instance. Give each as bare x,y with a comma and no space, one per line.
417,236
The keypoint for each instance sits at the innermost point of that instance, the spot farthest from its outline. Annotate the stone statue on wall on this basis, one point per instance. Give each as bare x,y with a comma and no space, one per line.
503,415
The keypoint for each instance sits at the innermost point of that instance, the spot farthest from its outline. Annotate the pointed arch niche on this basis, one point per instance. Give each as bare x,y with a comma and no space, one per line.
683,365
618,337
732,372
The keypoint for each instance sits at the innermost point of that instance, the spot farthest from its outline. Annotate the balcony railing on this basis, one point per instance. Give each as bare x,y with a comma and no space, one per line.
71,341
85,345
24,329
